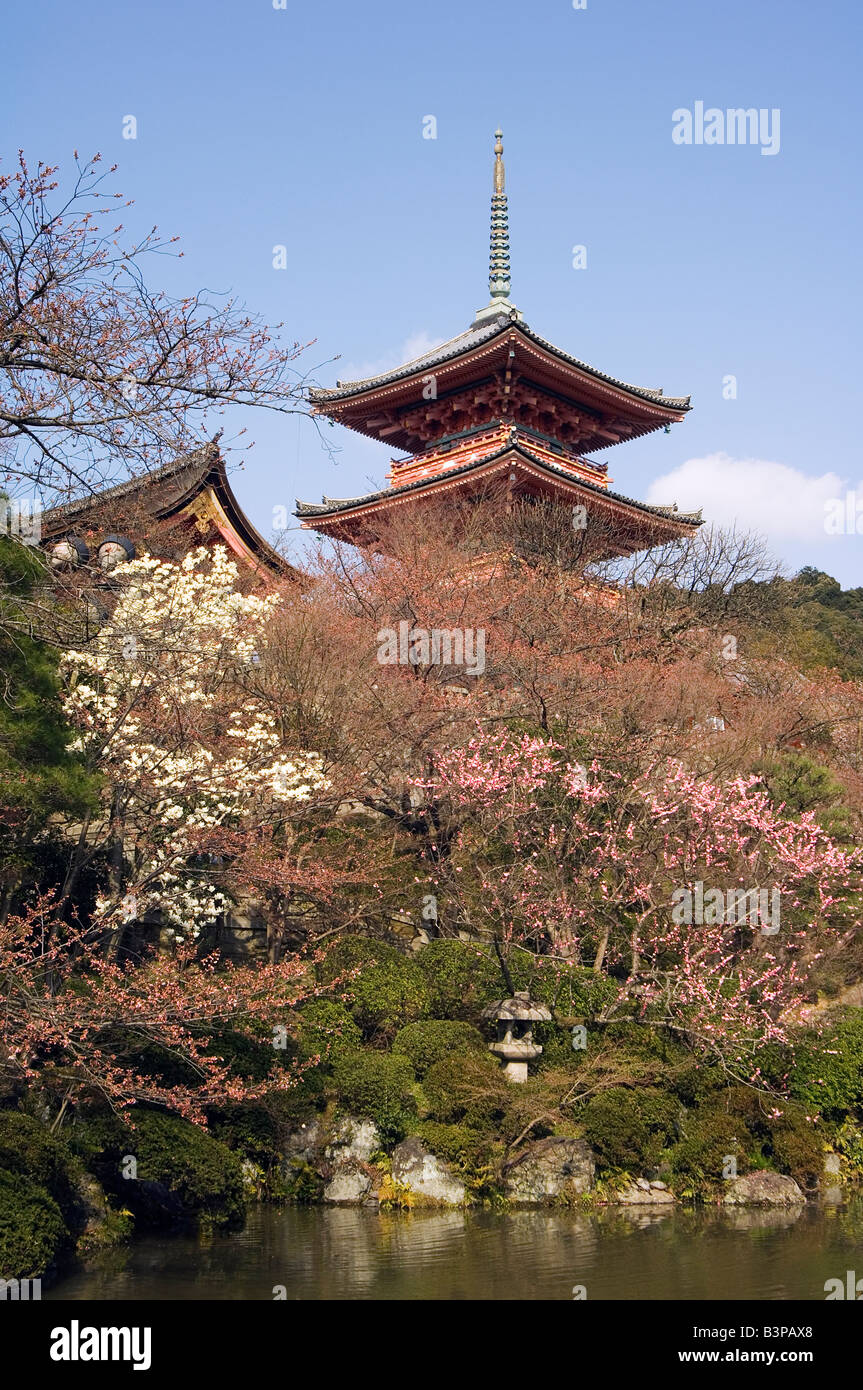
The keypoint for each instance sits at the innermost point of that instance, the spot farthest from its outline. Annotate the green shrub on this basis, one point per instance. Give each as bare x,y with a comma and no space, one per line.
299,1102
468,1087
628,1128
798,783
426,1043
390,990
798,1150
828,1070
250,1130
461,979
744,1123
458,1145
303,1184
787,1138
252,1058
377,1085
32,1230
388,996
848,1142
709,1137
694,1082
27,1148
572,991
327,1029
353,952
473,1155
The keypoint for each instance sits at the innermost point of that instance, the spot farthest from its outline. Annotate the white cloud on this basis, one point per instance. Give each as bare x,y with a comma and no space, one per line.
417,345
756,494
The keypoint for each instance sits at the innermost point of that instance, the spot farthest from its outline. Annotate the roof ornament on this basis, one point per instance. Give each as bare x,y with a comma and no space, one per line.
499,279
499,282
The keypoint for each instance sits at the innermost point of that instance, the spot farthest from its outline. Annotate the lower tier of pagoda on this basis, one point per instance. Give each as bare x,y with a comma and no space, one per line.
502,460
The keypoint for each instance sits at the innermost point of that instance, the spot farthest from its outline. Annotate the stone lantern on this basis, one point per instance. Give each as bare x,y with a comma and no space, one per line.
515,1045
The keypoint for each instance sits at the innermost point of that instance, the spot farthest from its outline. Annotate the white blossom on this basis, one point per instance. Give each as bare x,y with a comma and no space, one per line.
142,720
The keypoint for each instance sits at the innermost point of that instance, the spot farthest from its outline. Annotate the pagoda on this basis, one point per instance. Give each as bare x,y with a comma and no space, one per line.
498,408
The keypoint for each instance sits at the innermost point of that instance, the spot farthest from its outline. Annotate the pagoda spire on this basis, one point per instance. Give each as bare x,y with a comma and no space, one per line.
499,279
499,282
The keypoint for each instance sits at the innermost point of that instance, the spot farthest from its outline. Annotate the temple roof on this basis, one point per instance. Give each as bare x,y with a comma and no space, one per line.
193,488
476,336
175,479
332,510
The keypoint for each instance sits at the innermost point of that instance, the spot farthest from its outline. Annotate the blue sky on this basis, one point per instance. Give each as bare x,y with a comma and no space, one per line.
303,127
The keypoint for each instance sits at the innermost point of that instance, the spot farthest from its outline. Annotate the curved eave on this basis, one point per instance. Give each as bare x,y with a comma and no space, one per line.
238,532
180,490
332,514
462,348
184,474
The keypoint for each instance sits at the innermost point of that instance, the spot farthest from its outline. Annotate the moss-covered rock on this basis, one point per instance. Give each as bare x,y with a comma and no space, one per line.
27,1148
180,1175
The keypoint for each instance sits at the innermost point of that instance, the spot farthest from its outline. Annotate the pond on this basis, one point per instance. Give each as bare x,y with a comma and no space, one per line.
341,1253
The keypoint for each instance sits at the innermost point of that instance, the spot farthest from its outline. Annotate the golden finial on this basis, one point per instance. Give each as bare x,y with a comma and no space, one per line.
499,172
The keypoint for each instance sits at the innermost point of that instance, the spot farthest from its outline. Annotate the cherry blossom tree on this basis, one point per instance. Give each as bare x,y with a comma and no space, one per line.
80,1025
542,853
101,374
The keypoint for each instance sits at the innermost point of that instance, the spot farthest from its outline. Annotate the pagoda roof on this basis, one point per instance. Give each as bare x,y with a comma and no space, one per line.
643,515
195,487
392,405
476,336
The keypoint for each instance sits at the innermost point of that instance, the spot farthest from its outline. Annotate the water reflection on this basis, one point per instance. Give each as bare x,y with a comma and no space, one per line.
331,1253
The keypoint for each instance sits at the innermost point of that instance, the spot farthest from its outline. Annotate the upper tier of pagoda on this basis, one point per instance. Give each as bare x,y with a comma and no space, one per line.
499,401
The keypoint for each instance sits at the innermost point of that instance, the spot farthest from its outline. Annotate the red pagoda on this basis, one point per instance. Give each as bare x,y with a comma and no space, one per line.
500,407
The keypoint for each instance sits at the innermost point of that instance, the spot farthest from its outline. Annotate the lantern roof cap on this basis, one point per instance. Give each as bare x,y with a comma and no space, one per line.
521,1008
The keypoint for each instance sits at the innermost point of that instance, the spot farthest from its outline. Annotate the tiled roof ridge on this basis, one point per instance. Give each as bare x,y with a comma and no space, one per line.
473,337
329,505
203,459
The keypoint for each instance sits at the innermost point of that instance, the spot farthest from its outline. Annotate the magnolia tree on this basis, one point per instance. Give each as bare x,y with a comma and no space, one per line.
161,704
708,903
